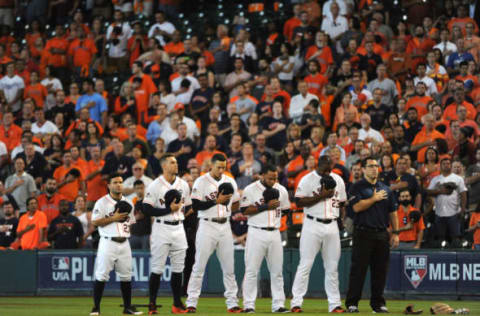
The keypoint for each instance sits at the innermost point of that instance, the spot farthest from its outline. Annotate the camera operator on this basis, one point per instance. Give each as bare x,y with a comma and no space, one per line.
118,34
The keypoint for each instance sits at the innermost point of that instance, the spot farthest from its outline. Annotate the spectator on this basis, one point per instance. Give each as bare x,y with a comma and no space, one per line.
82,213
96,186
142,229
450,195
65,231
274,127
368,134
425,138
118,162
118,34
400,179
332,139
162,30
410,232
94,102
182,147
129,190
21,185
378,111
156,127
32,228
42,127
236,78
11,89
70,180
300,101
474,226
390,93
8,225
247,169
36,165
335,25
422,77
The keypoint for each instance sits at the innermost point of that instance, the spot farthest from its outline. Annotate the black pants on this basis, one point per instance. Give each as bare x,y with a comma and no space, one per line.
369,249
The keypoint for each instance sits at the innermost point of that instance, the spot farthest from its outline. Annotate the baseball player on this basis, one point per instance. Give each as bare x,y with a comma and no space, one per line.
168,235
214,196
263,202
113,215
321,198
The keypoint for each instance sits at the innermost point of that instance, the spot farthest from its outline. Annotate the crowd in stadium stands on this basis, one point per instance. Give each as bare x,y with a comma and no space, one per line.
89,88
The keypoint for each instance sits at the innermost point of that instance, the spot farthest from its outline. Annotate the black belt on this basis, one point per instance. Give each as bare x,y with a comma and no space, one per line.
168,222
270,229
218,220
321,220
370,229
116,239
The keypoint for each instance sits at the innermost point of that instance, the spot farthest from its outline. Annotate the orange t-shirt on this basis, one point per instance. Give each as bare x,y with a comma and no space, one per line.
292,166
289,26
325,58
137,51
316,83
81,165
422,137
12,137
204,155
450,112
57,60
38,92
474,219
419,103
69,190
142,94
50,206
403,220
82,52
31,239
96,187
174,49
461,23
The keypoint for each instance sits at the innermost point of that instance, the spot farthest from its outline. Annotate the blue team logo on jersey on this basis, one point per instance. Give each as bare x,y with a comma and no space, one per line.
415,268
60,263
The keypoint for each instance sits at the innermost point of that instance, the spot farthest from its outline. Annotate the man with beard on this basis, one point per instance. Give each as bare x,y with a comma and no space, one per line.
65,231
263,239
8,225
49,201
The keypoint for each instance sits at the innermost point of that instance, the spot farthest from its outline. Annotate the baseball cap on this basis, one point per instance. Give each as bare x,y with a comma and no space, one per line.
445,157
179,106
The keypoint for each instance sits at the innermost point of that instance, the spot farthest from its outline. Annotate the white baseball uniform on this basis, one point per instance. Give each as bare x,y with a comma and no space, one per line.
111,254
317,236
212,237
263,241
168,235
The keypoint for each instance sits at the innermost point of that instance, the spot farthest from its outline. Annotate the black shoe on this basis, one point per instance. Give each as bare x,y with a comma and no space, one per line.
352,309
131,311
380,310
95,311
248,311
152,309
281,310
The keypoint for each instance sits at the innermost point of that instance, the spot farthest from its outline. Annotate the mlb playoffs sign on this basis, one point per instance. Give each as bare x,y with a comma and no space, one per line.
434,272
75,270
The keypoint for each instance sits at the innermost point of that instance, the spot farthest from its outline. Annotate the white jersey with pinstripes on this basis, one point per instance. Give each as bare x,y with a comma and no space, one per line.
253,195
205,188
327,209
105,207
155,196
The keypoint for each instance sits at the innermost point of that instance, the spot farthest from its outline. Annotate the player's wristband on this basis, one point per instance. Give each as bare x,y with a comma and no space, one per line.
262,208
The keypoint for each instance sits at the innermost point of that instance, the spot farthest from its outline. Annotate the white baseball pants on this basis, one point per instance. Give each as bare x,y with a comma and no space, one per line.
168,240
213,237
113,255
263,244
318,237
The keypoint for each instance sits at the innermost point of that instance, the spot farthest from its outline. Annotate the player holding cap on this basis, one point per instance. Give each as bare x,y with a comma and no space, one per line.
164,199
322,194
263,202
113,215
214,196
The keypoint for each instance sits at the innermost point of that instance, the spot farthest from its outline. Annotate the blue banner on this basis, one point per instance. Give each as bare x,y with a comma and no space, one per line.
75,270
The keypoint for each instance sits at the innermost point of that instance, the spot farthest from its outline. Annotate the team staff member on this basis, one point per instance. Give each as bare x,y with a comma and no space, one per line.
168,235
319,233
263,239
375,208
214,232
113,250
410,230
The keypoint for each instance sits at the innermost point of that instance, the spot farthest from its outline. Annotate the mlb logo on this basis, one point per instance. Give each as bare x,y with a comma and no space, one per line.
415,268
60,263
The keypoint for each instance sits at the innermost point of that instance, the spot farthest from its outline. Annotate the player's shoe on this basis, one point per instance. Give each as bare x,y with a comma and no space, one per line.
95,311
191,310
380,310
338,309
281,310
352,309
152,309
248,311
131,311
296,309
235,310
179,309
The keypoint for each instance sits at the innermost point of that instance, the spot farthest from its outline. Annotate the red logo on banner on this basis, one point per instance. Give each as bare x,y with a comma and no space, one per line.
415,268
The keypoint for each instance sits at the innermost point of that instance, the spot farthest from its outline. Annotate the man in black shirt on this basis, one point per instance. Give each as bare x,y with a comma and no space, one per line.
65,230
400,179
375,207
67,109
399,144
414,125
8,225
141,230
117,162
200,102
183,147
378,111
